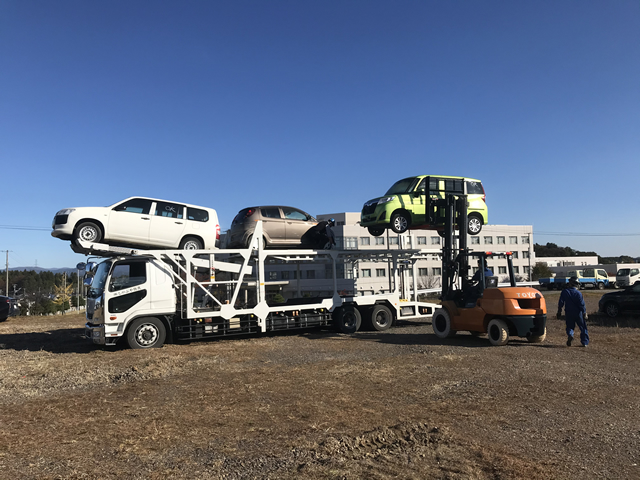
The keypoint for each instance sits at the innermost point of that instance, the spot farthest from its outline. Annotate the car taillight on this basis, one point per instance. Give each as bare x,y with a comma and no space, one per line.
484,195
250,212
218,232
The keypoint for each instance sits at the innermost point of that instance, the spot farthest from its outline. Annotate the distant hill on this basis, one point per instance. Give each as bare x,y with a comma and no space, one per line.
40,269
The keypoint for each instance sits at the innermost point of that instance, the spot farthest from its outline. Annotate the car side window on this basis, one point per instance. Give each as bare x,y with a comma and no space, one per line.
293,214
474,188
197,214
272,212
169,210
135,205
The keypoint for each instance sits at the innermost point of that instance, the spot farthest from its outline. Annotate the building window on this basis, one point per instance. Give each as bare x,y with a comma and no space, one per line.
475,240
284,275
311,274
500,240
366,272
514,254
350,243
408,241
435,240
365,241
525,254
516,269
273,275
393,241
502,270
422,240
525,269
409,272
381,272
436,271
349,272
513,240
379,240
423,272
294,274
488,240
525,240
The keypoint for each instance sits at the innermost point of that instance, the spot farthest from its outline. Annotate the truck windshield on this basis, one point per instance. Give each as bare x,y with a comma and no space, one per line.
403,186
99,279
623,271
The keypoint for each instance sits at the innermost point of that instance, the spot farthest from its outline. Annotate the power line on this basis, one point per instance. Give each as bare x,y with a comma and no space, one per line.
576,234
18,227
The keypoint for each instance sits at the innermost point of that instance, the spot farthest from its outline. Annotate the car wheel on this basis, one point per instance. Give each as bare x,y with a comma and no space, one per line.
537,338
88,232
191,243
498,332
612,309
474,224
250,239
600,286
375,231
146,333
400,222
441,324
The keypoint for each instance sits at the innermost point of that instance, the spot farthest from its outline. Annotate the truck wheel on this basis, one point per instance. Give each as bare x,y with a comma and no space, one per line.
498,332
380,318
612,309
146,333
600,286
191,243
474,224
400,222
88,232
375,231
347,319
441,324
537,338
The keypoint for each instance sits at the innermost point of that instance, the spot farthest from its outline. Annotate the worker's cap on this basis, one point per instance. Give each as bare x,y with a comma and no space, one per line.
573,281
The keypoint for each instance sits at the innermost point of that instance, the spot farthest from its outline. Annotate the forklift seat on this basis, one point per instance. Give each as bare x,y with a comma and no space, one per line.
491,282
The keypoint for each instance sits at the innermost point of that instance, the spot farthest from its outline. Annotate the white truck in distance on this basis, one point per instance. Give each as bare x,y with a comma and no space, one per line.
149,297
626,277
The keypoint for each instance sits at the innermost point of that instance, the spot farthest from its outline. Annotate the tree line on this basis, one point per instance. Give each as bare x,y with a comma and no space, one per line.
42,293
553,250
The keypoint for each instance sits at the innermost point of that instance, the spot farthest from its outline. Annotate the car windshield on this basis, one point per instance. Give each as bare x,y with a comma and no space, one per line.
623,271
99,279
403,186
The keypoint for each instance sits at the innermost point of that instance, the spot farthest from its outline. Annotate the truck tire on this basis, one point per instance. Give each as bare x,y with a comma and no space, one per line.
400,222
474,224
498,332
441,324
375,231
612,309
600,286
191,243
347,319
146,333
537,338
88,232
380,318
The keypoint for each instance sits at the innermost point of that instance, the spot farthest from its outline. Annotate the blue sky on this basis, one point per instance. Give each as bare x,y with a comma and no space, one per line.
320,105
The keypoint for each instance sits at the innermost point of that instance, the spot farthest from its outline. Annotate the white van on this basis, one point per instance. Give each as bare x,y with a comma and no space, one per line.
627,276
141,221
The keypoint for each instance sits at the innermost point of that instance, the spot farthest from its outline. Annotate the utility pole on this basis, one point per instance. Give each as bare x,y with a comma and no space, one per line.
7,271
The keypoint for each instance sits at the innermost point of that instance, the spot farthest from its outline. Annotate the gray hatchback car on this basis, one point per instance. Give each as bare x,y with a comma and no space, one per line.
282,226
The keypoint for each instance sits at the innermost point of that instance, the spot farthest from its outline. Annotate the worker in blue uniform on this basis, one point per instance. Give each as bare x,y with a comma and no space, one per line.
575,311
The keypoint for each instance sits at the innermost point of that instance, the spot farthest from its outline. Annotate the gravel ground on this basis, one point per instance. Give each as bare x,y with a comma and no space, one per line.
397,404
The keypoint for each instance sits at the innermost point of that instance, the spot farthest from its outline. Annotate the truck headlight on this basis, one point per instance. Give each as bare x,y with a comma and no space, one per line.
386,199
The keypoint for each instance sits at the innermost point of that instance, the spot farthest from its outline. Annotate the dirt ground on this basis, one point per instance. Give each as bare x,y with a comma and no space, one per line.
398,404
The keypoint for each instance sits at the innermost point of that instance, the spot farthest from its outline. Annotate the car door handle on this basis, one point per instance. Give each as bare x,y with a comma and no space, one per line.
145,218
178,223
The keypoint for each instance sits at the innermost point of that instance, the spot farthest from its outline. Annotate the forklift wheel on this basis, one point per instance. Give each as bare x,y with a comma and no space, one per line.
498,332
537,338
441,324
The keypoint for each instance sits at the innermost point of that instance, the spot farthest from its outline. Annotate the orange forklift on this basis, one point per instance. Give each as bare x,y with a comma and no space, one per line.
480,306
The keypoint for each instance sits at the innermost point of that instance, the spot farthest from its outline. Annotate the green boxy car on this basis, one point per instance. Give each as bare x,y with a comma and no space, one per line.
403,206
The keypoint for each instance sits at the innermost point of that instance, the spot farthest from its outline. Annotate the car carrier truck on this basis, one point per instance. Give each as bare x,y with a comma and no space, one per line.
149,297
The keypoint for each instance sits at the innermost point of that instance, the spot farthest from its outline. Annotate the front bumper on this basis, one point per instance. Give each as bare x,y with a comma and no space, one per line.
95,333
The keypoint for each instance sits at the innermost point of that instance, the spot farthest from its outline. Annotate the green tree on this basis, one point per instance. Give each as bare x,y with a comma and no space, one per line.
540,270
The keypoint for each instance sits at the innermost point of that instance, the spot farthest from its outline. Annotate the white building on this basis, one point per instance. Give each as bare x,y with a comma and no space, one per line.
367,276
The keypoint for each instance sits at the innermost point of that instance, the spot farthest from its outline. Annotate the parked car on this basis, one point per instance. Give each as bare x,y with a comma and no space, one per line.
621,301
282,226
141,221
403,207
8,307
